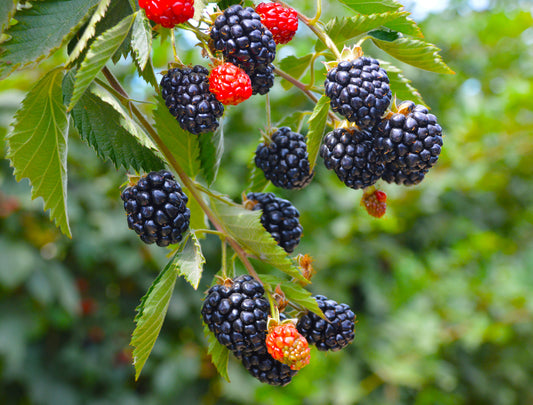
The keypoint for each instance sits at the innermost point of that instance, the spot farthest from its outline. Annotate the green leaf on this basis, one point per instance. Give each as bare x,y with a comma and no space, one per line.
183,145
198,217
190,261
245,227
7,10
148,74
405,25
211,151
41,30
372,6
101,50
414,52
141,40
317,125
218,352
111,132
295,67
401,85
38,145
257,181
90,30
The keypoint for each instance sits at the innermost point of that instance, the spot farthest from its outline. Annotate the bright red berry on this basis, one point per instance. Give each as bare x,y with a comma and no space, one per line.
375,202
230,84
168,13
286,345
281,21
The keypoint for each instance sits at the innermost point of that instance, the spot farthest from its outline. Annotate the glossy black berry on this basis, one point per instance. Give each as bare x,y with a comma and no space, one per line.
279,217
353,157
359,90
267,370
187,96
156,208
335,333
262,79
237,313
284,159
412,142
243,39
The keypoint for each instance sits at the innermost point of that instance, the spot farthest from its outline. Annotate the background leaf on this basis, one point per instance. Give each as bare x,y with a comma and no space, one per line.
401,85
295,67
38,145
372,6
211,151
317,126
7,10
218,352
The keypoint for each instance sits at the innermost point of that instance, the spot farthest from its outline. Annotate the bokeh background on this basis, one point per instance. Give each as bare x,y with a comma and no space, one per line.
442,286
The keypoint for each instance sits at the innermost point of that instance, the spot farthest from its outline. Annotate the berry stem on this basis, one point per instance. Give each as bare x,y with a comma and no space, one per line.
224,257
318,13
268,114
186,180
173,41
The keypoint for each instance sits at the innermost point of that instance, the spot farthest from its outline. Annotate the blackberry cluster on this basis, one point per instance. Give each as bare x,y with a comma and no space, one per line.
335,333
247,43
187,96
279,218
412,141
359,90
156,208
267,370
353,156
284,159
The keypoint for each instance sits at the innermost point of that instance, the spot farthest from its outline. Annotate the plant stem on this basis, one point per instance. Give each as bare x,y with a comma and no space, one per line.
186,180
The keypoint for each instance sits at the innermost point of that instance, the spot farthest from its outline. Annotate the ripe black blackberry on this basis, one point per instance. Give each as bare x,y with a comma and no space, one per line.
412,141
333,335
243,39
267,370
262,79
284,159
156,208
279,218
187,96
359,90
353,157
237,313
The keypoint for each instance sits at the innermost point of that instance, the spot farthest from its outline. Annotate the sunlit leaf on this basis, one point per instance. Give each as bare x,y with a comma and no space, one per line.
317,126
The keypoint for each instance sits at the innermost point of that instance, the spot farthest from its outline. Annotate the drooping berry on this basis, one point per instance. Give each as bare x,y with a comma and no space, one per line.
281,21
279,217
375,202
353,157
168,13
243,39
230,84
359,90
262,79
335,333
237,313
286,345
156,208
267,370
187,96
412,141
284,159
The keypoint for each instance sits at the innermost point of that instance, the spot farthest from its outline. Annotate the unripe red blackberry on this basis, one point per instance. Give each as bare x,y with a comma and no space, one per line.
168,13
353,157
335,333
359,90
230,84
281,21
156,208
411,140
237,313
279,217
284,159
187,96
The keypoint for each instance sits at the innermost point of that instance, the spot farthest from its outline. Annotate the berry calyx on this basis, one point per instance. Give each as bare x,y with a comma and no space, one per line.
168,13
286,345
281,21
230,84
375,202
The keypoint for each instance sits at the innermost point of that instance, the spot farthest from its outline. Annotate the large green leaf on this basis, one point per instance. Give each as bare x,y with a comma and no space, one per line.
405,25
317,125
401,85
414,52
42,29
245,227
182,145
141,40
218,352
372,6
190,261
38,145
7,9
111,133
211,151
295,66
101,50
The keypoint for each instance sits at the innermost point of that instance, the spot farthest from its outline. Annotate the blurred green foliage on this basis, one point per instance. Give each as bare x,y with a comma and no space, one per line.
442,286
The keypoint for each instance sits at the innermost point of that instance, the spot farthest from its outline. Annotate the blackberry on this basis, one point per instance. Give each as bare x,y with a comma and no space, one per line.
187,96
412,141
353,157
243,39
284,159
333,335
279,218
359,90
156,208
237,313
262,79
267,370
